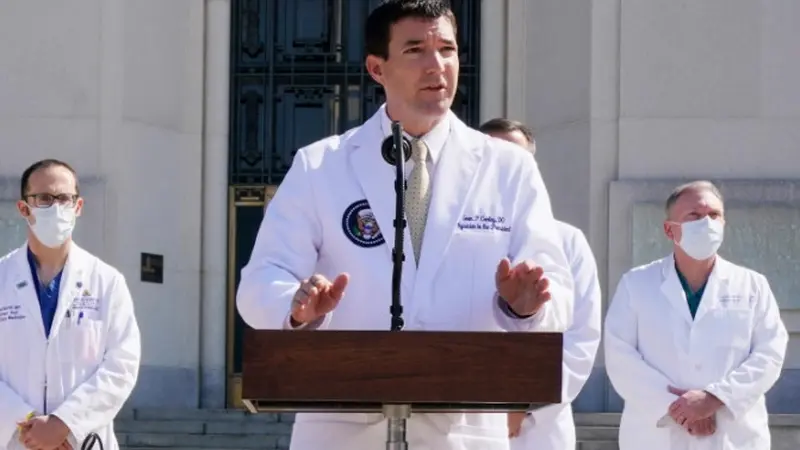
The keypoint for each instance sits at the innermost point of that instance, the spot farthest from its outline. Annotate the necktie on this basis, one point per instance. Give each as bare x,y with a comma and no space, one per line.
418,195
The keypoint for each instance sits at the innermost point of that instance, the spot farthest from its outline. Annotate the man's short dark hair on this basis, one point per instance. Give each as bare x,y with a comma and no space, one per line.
41,165
377,31
503,125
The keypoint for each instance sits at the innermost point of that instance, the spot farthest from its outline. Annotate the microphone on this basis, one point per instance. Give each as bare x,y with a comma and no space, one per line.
387,148
390,149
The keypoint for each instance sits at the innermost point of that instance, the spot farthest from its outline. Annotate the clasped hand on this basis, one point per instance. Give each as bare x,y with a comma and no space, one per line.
695,411
524,287
44,433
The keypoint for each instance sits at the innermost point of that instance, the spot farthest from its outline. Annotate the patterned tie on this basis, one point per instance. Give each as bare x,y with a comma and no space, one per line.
418,195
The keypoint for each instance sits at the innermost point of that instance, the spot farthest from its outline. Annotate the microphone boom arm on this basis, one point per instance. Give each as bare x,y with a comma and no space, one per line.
396,150
400,152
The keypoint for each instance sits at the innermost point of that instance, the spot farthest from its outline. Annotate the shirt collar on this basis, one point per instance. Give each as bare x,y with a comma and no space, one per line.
435,139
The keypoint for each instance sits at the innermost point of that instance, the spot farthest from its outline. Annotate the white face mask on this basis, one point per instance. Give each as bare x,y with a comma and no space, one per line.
701,238
53,225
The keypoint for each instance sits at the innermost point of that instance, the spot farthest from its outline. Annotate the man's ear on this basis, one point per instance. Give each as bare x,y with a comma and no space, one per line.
24,209
79,207
668,230
374,66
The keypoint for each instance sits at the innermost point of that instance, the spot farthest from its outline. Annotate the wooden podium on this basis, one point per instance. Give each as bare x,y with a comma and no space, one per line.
428,371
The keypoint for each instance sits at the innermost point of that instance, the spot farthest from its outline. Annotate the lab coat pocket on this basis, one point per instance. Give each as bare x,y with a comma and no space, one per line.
465,294
80,340
733,328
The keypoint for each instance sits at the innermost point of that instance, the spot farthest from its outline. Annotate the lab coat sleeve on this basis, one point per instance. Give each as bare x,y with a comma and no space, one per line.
97,401
535,236
582,339
743,386
285,252
636,381
13,409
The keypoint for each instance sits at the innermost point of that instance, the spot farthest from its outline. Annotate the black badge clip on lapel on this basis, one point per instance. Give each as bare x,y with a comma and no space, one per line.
396,150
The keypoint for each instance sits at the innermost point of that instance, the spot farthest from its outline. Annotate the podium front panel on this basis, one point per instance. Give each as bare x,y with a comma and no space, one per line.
340,369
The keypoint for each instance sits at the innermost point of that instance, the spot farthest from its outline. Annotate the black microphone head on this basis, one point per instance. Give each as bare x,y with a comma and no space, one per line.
388,153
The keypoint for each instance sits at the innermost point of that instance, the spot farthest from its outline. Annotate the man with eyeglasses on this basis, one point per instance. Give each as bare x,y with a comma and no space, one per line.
70,342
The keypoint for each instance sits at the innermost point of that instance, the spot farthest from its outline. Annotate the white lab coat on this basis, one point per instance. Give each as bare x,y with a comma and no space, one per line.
84,372
734,348
477,179
553,427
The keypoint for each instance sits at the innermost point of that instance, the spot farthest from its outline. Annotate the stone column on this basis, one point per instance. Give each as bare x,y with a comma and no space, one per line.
215,204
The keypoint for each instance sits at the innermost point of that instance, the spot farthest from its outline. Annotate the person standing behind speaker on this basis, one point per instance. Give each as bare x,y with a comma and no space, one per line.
476,209
552,427
704,387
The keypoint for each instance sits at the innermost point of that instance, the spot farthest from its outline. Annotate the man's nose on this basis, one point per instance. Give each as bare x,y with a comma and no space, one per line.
434,62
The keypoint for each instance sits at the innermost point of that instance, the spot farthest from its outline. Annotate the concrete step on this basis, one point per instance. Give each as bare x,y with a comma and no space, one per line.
193,429
596,419
205,441
596,433
598,445
202,427
205,415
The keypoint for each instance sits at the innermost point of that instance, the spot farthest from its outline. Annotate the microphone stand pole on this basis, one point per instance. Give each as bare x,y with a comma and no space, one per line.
397,415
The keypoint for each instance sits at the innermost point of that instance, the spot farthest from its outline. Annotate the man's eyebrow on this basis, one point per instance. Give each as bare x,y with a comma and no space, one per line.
413,42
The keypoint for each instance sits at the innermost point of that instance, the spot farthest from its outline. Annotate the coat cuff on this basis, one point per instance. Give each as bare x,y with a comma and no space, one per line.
717,390
320,323
75,436
509,312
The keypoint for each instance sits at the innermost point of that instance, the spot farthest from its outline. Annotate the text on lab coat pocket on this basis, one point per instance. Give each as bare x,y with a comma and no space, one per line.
80,338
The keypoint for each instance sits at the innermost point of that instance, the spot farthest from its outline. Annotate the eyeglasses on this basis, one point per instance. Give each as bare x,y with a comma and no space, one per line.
47,200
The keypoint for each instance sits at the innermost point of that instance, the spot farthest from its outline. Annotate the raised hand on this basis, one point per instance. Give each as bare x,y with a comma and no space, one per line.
316,297
524,286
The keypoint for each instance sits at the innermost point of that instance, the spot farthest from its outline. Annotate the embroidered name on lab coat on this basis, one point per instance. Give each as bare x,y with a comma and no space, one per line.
484,222
86,303
737,301
11,312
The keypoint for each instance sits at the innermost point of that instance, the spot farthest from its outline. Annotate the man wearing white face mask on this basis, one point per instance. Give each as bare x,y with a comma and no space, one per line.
692,341
70,342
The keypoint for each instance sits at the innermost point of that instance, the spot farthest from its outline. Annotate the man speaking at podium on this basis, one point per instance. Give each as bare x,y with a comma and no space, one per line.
482,251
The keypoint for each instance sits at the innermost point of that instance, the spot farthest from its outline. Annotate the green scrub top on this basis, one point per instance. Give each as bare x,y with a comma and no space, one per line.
692,298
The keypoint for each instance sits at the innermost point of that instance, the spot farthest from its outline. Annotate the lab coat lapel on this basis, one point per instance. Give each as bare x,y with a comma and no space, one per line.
71,282
717,283
376,178
24,289
455,176
672,289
